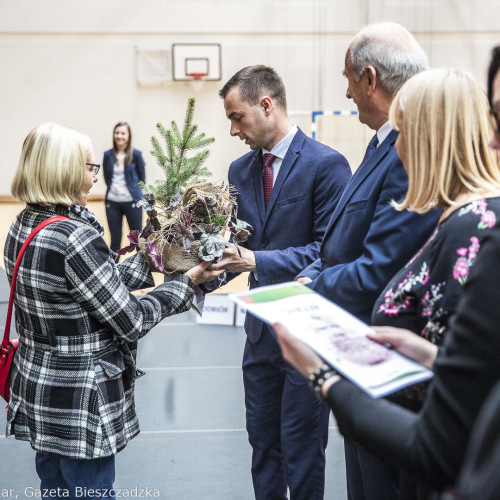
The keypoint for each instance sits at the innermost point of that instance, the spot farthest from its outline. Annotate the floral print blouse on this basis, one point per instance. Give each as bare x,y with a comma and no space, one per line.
423,295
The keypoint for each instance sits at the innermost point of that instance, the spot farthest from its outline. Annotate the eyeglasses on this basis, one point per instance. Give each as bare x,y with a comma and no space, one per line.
95,169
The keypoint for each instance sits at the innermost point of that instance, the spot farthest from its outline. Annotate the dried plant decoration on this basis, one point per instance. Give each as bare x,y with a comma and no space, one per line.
187,216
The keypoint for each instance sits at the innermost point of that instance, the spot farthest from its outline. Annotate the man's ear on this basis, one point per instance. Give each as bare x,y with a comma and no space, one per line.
267,104
371,79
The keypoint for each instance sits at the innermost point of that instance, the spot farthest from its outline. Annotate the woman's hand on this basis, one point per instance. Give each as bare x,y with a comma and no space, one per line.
407,343
298,354
200,273
301,356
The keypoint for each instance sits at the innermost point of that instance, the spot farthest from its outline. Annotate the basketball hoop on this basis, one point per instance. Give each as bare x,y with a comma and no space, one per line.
196,62
197,80
197,76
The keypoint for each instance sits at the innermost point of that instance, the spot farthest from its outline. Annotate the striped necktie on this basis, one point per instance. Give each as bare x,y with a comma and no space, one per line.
371,148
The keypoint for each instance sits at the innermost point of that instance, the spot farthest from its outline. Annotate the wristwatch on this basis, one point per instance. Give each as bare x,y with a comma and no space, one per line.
318,377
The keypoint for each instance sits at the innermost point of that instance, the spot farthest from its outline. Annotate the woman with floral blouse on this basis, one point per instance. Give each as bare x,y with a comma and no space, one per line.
424,294
457,173
447,293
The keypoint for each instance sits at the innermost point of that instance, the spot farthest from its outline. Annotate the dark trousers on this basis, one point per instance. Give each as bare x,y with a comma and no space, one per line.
78,478
114,213
368,476
287,426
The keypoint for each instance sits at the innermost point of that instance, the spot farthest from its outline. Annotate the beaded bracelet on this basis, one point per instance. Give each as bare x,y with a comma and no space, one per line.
319,377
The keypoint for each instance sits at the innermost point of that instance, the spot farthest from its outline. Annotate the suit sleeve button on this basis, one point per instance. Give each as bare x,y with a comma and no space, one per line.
264,244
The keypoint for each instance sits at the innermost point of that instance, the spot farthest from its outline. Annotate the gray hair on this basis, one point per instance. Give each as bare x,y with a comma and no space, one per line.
391,49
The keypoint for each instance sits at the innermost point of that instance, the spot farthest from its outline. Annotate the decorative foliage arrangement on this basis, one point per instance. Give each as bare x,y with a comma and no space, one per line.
187,216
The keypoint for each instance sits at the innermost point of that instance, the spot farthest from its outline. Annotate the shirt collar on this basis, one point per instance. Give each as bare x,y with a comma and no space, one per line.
384,131
281,148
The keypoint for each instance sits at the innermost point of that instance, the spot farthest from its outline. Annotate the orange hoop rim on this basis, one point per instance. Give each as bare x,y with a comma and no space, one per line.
197,76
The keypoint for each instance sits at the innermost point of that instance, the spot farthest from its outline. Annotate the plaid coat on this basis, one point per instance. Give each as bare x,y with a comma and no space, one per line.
72,390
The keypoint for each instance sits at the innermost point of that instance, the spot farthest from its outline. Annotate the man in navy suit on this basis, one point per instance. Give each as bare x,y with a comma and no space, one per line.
367,241
289,206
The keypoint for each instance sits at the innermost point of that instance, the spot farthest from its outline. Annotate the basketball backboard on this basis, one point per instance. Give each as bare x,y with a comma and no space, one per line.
192,61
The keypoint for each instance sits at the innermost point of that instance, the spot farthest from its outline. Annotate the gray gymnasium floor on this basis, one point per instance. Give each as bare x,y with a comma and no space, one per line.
193,442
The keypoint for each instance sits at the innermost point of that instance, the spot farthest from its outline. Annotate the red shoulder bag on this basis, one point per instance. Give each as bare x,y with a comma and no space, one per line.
9,346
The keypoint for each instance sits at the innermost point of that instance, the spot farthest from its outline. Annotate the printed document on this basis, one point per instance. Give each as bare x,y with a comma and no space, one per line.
337,336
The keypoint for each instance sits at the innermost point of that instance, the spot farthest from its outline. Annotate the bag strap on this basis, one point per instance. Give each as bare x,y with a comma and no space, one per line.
46,222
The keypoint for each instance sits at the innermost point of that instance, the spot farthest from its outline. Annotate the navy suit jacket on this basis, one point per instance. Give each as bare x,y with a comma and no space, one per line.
367,241
134,173
287,236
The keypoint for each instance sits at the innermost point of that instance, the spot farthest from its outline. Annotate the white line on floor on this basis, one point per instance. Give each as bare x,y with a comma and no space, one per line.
196,431
199,431
166,368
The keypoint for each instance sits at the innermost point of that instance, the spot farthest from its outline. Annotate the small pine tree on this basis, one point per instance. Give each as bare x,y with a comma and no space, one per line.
178,168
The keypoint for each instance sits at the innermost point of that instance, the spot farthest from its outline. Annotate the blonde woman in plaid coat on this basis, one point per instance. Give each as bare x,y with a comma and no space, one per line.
72,393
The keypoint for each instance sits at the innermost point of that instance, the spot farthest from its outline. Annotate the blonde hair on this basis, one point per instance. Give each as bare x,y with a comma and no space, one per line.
51,170
447,127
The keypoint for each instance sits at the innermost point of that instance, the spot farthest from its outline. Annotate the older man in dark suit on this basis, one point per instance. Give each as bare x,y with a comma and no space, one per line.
367,241
287,188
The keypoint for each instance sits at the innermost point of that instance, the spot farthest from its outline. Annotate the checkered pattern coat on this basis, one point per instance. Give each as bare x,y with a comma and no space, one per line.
72,388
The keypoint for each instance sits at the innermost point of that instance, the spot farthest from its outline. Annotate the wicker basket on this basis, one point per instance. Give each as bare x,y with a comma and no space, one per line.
175,258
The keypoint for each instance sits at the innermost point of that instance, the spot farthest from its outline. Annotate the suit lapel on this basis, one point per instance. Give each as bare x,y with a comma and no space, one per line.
359,176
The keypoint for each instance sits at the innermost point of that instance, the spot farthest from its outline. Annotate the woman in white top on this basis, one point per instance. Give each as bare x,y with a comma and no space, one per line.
123,168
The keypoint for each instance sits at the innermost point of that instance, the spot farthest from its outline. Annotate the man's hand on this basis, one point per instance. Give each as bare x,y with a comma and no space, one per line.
304,280
406,342
233,263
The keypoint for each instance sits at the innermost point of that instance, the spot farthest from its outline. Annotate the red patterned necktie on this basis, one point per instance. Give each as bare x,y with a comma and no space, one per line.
267,176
